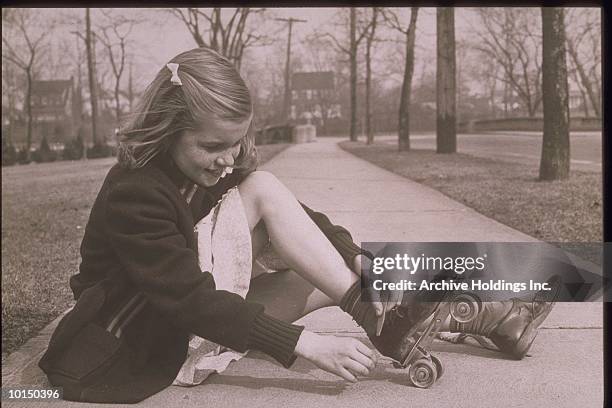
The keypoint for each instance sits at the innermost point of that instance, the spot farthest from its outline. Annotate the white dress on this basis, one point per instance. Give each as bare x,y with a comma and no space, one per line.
224,249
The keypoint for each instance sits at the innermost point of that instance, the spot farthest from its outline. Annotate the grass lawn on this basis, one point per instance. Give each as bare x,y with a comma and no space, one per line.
559,211
44,211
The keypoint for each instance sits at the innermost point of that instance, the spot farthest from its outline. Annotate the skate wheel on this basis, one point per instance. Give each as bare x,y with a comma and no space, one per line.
423,373
439,368
464,308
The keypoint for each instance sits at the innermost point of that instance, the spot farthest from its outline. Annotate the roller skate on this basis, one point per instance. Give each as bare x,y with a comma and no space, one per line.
423,367
512,325
399,325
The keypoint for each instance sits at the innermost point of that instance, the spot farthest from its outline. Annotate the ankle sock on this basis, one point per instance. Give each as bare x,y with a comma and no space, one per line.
351,297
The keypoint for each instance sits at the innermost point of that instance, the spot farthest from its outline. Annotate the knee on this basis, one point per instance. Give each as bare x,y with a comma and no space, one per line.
263,188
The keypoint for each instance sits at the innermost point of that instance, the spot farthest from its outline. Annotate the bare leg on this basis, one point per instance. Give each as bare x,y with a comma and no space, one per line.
317,264
286,295
294,236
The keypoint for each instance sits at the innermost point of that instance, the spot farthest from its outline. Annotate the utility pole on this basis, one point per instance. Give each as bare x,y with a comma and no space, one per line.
354,45
78,113
287,99
92,76
507,46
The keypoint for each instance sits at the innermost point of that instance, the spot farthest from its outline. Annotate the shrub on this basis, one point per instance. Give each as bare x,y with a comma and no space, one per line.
99,150
22,156
73,150
9,154
44,154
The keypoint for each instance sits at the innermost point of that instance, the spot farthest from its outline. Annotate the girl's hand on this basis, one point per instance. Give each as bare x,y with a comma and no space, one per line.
343,356
394,298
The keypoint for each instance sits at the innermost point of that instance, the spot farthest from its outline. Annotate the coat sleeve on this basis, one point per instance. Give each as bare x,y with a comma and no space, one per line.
339,236
141,221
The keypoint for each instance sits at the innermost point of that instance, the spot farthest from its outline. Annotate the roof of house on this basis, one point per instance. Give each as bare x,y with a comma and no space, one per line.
301,81
49,96
56,86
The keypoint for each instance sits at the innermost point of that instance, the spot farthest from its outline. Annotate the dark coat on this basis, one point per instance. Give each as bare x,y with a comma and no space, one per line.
139,248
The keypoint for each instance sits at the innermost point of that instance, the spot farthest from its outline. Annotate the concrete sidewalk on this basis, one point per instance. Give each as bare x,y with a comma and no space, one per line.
565,369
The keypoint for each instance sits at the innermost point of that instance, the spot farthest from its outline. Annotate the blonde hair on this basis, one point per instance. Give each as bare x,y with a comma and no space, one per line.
211,88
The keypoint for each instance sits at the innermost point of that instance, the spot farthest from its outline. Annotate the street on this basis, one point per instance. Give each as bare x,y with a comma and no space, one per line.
519,147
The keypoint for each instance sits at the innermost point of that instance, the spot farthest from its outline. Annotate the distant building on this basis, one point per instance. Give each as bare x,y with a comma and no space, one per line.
54,110
322,80
313,97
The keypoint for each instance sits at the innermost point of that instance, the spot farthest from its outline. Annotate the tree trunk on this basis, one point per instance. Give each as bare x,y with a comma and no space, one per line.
446,135
404,110
368,85
28,105
130,90
117,105
368,96
492,101
555,160
92,79
532,109
353,75
585,103
11,109
584,79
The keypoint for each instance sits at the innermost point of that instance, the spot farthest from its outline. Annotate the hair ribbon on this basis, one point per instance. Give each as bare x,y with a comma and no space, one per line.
173,67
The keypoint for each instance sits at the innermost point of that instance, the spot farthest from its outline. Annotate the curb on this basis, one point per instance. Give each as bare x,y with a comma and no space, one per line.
31,351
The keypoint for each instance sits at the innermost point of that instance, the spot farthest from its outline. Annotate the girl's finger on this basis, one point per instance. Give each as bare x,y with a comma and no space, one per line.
356,368
362,359
378,308
400,296
365,350
344,373
396,297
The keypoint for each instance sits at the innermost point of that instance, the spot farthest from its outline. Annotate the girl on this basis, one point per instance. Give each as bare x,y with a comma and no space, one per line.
149,289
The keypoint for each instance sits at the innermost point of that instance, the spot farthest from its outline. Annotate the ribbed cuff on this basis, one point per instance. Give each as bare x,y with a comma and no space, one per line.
275,338
346,247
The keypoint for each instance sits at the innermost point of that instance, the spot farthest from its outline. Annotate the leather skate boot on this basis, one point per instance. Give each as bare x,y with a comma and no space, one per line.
511,325
401,323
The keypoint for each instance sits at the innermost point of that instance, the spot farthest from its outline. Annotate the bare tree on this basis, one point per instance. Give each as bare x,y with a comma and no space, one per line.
228,35
555,160
114,36
409,32
585,36
446,90
509,36
357,33
23,44
10,92
370,36
91,73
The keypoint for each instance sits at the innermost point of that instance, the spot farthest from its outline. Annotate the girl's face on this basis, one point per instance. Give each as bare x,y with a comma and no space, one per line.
203,155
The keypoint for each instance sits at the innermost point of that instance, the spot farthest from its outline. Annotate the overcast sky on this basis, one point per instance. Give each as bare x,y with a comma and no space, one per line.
161,36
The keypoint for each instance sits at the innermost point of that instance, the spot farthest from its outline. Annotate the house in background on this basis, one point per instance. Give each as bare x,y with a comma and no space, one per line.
54,110
313,98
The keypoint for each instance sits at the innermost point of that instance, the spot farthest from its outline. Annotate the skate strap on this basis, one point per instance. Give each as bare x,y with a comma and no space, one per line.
459,338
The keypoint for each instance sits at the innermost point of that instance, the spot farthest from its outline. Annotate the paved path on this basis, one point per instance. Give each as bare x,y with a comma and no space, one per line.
565,369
